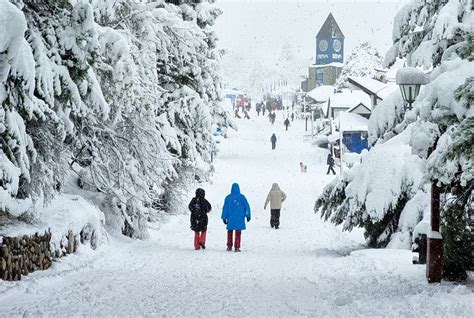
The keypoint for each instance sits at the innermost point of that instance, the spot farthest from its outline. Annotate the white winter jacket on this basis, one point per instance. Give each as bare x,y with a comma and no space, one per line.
275,197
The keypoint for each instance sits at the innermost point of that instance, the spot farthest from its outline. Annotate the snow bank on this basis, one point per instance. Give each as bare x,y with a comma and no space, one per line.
65,213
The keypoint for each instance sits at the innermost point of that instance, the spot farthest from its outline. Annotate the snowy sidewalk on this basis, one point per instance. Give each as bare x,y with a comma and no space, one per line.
306,268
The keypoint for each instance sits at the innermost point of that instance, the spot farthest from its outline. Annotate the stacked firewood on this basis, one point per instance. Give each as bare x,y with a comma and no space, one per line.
22,255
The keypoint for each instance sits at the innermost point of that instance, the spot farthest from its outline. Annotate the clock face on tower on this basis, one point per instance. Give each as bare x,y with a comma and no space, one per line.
337,45
323,45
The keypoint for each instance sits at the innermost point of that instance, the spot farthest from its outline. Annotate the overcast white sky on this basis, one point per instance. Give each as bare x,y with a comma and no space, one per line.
255,30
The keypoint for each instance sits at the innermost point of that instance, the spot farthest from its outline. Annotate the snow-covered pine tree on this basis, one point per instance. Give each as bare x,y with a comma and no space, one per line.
121,92
362,62
388,193
452,163
424,29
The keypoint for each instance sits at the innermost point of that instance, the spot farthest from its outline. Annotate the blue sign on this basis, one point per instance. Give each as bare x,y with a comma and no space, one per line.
354,141
329,50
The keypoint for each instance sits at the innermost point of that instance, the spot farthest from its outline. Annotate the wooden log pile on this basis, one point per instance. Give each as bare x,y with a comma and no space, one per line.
22,255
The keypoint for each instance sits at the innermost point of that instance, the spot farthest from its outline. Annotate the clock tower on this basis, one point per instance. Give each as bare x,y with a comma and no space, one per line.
329,43
329,55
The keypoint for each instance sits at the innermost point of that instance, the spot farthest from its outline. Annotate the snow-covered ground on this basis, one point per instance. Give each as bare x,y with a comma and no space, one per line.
307,267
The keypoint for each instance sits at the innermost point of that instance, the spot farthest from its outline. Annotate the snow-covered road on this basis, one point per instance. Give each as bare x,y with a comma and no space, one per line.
304,268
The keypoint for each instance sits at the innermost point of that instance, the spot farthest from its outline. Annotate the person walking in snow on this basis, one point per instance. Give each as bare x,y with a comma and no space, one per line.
292,116
275,197
236,209
258,109
246,115
273,140
199,208
330,162
286,123
263,109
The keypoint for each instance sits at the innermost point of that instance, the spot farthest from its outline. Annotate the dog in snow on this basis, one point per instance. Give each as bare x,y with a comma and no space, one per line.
303,167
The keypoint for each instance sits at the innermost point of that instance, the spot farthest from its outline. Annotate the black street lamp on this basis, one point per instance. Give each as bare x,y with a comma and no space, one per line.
410,80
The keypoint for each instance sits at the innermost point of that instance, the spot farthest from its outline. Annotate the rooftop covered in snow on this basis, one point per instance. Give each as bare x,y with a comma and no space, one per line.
321,94
351,122
373,87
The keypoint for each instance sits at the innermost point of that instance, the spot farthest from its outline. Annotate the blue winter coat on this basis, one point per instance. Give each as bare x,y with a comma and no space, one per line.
236,209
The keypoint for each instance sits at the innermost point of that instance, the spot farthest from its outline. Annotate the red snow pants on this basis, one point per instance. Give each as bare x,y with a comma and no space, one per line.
230,235
199,239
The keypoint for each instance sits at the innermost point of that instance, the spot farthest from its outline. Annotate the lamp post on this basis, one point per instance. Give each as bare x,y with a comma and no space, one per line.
410,80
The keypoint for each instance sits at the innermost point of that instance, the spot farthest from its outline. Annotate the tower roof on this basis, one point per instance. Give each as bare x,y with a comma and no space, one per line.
330,29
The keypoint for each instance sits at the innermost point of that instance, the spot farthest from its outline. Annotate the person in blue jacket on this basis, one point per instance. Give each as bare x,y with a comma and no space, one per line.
236,209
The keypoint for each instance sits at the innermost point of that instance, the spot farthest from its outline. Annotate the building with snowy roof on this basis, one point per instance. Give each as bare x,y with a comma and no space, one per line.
376,90
329,55
356,102
332,102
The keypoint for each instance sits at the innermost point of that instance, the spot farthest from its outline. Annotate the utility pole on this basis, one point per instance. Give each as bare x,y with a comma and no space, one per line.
340,147
304,112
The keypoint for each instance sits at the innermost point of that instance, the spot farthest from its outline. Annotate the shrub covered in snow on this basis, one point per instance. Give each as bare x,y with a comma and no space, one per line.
362,62
121,93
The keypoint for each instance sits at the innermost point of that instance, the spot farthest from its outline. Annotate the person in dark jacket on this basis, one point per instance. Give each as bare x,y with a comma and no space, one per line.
330,162
273,140
199,208
286,123
234,212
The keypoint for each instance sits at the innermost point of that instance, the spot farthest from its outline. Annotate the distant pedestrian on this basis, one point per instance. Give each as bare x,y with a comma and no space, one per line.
258,109
263,109
292,116
275,197
271,117
199,208
236,209
246,115
273,140
330,162
286,123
